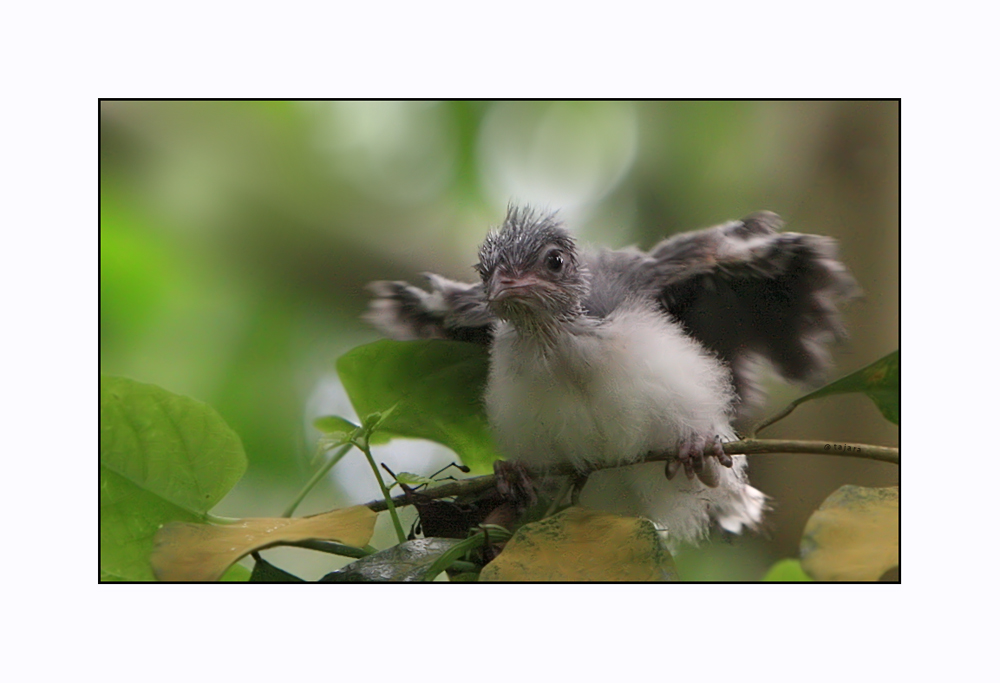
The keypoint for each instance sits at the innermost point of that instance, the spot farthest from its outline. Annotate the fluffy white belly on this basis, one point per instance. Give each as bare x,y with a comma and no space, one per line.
610,392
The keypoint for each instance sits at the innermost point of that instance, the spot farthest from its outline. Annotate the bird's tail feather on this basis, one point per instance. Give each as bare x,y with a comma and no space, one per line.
686,509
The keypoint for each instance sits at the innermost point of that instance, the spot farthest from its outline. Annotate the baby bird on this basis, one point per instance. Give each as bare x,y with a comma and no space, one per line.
609,356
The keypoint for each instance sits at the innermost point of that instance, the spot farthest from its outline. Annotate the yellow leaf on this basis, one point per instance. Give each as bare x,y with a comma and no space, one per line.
203,552
853,536
583,545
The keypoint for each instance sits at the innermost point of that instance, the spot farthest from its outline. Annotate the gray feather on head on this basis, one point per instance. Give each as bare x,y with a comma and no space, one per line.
535,245
518,243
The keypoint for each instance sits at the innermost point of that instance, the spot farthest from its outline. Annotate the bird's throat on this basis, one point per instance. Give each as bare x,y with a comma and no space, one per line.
544,329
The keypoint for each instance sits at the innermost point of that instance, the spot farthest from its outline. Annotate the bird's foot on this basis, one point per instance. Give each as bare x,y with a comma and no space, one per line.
700,457
514,483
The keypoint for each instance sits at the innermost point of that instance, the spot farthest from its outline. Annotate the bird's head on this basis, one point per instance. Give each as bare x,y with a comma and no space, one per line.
530,269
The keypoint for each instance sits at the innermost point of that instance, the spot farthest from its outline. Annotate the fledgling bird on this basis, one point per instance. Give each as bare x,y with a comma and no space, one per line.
607,356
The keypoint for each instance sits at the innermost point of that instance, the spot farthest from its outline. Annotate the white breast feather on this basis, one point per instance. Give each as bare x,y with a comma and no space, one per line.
632,384
613,392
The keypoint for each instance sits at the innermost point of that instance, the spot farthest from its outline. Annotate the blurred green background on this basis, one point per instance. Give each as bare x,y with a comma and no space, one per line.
237,237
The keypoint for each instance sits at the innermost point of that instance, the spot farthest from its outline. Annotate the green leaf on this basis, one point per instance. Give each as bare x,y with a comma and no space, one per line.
338,431
467,577
163,458
334,424
583,545
786,570
236,574
880,381
853,536
409,561
430,389
377,438
371,427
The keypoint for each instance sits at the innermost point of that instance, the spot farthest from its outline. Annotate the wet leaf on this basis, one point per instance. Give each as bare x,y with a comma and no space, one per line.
202,552
786,570
433,388
163,457
583,545
409,561
853,536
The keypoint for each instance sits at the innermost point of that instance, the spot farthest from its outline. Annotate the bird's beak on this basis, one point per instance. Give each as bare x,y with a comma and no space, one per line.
506,286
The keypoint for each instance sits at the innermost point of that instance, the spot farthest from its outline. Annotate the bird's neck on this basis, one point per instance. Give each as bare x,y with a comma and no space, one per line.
545,331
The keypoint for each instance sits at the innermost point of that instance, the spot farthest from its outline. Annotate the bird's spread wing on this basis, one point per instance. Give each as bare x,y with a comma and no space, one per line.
750,292
743,289
451,310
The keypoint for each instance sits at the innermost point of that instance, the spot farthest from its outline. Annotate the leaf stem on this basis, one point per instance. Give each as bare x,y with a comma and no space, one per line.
320,473
465,567
389,503
452,555
783,413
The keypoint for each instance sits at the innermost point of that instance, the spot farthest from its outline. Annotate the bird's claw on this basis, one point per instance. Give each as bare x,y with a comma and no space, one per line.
514,483
692,456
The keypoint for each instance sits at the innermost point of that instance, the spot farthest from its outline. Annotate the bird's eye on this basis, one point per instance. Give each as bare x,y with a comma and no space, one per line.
554,261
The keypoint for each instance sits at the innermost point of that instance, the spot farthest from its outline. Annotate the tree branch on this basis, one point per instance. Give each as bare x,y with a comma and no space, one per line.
742,447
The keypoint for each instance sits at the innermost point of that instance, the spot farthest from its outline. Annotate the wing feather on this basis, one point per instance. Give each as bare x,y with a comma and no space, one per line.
749,292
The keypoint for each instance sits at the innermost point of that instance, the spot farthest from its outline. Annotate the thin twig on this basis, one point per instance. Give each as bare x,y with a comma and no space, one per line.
386,499
767,422
744,447
314,479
